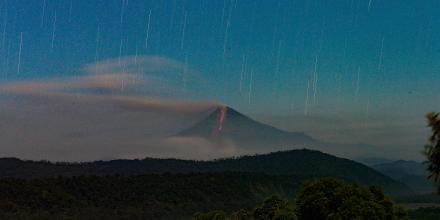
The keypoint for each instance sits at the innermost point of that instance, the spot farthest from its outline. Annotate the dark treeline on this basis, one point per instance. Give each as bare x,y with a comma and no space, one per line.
425,214
295,162
323,199
180,196
154,196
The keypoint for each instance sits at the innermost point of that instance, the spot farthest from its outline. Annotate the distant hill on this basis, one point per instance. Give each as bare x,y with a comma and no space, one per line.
372,161
295,162
412,173
400,168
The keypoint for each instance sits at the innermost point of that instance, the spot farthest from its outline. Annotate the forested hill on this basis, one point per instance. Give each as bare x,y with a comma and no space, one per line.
151,196
295,162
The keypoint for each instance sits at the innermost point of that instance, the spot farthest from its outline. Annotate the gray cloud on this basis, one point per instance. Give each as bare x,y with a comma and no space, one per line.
112,111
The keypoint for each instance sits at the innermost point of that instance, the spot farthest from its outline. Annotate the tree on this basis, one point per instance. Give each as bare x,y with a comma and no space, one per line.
275,208
241,214
7,207
214,215
323,199
432,150
329,199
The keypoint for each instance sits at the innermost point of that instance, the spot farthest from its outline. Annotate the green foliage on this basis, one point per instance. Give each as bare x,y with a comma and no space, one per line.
425,214
419,198
214,215
178,196
8,207
241,214
306,163
275,207
154,196
432,150
400,213
285,215
329,198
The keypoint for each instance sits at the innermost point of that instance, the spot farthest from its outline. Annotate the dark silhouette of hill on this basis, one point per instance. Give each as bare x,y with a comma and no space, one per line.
412,173
295,162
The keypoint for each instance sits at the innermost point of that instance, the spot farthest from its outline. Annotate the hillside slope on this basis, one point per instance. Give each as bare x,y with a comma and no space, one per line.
412,173
153,196
295,162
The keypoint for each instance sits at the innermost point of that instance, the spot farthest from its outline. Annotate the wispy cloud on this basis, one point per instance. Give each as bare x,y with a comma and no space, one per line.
118,108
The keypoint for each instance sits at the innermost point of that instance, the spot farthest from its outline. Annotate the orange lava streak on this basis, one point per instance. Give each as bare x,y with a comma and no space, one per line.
221,117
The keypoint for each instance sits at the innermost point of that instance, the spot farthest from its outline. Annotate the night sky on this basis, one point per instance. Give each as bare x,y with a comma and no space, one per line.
356,71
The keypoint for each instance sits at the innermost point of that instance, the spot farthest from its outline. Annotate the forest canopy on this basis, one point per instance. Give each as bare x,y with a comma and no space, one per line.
325,199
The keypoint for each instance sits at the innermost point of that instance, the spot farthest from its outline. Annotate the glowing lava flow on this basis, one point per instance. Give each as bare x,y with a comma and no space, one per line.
221,118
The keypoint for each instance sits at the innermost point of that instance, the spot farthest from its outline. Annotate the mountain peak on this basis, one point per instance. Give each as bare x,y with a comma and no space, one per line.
226,122
226,112
214,123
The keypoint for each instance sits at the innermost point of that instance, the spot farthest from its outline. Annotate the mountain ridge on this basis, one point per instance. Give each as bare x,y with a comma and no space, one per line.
413,174
295,162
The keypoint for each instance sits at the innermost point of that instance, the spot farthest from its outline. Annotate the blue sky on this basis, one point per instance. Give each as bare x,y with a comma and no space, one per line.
393,45
353,57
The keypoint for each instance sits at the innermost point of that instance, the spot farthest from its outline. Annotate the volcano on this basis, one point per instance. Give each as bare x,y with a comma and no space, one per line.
225,123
